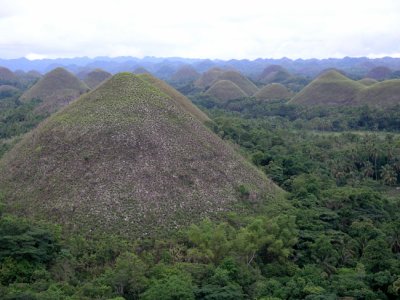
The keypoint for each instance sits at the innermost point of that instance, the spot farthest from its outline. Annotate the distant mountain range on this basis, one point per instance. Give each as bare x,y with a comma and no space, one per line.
164,68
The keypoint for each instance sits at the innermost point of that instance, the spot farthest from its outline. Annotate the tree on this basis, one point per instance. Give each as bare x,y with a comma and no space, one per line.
128,276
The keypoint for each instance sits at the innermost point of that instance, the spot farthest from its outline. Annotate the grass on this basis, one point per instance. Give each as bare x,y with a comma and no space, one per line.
273,91
224,90
127,159
56,89
176,96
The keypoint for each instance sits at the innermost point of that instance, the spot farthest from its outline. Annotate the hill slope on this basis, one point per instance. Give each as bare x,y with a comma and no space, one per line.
185,74
379,73
176,96
274,74
242,82
382,94
208,78
56,89
95,77
7,77
273,91
126,159
367,81
330,88
225,90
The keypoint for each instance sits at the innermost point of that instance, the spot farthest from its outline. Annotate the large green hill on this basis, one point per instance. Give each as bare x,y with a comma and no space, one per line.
128,159
333,88
242,82
225,90
56,89
330,88
273,91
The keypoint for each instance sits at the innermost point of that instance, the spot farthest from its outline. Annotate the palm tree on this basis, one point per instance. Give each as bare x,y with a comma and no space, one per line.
388,175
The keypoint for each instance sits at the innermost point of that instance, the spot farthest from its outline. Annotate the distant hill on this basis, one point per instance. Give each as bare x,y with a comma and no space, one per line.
379,73
176,96
185,74
273,91
333,88
274,74
56,89
7,77
382,94
242,82
225,90
208,78
8,91
126,159
367,81
95,77
330,88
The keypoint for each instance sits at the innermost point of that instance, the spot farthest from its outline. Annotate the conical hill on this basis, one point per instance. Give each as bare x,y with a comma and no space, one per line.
127,159
273,91
330,88
56,89
225,90
95,78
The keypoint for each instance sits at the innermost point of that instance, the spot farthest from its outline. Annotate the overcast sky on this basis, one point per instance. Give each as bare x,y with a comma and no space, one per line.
199,29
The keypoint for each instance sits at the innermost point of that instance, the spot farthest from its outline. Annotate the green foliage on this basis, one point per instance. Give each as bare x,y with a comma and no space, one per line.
170,284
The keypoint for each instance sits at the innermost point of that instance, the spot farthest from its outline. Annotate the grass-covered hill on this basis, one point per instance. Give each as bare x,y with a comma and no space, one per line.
208,78
180,99
224,90
7,76
241,81
95,77
382,94
56,89
329,88
273,91
7,90
379,73
368,81
126,159
333,88
185,74
274,73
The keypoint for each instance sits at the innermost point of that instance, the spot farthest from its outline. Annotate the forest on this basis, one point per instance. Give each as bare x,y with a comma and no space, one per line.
336,236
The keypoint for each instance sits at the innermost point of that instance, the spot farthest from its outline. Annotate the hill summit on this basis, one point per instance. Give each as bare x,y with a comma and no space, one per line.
329,88
127,159
96,77
225,90
56,89
273,91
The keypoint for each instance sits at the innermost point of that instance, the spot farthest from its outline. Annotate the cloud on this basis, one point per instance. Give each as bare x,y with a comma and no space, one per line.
207,29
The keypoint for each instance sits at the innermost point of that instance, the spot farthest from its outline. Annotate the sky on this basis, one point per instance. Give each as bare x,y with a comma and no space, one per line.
199,29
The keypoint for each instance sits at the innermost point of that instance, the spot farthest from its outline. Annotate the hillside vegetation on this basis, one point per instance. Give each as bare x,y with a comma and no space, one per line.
127,159
242,82
55,90
273,91
225,90
176,96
